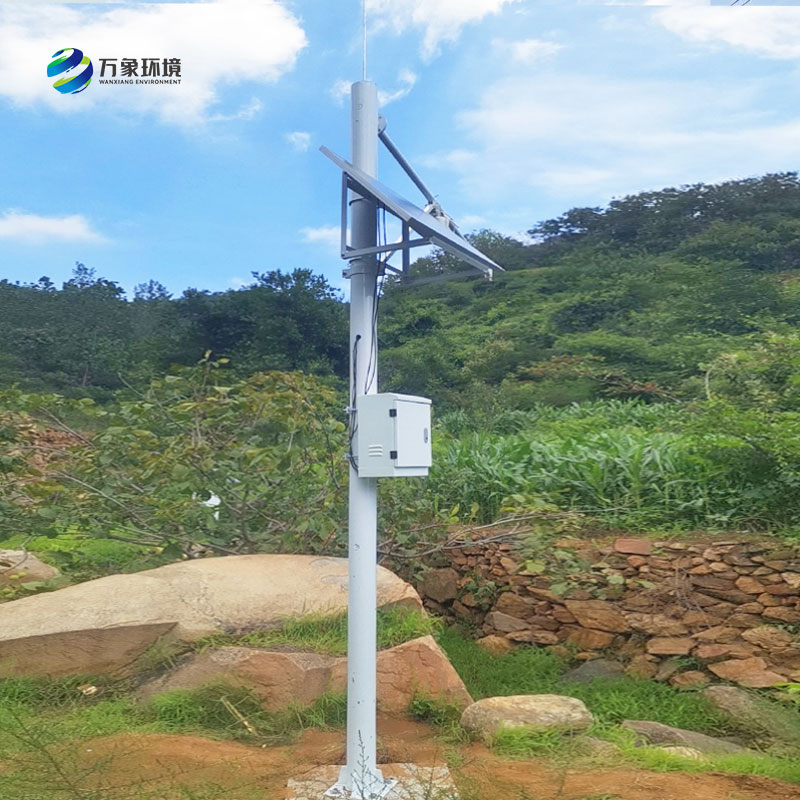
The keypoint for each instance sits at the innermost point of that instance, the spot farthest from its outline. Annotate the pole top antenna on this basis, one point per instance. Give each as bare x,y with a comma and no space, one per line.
364,35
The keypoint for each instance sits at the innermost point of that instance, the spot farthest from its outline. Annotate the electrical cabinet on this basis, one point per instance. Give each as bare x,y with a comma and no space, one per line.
393,436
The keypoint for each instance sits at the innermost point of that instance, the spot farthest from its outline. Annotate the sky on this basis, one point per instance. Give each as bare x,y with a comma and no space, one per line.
513,111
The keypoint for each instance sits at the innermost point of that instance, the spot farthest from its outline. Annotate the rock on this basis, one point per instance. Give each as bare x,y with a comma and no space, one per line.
546,712
504,622
656,624
718,652
751,608
509,565
682,752
747,709
780,590
103,626
769,637
692,679
636,547
636,561
591,670
768,600
749,585
418,666
595,748
560,614
19,566
743,620
792,578
693,618
513,605
598,614
657,734
440,585
666,669
738,559
719,633
642,668
495,645
278,678
542,638
585,639
783,614
282,679
670,646
750,672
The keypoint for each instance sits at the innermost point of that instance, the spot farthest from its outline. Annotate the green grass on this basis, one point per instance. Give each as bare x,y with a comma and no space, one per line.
328,634
762,765
537,671
83,558
43,727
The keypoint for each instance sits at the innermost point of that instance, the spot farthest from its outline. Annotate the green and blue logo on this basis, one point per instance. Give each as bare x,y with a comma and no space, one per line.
75,80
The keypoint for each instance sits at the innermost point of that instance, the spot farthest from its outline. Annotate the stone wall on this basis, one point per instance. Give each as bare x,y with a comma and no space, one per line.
674,611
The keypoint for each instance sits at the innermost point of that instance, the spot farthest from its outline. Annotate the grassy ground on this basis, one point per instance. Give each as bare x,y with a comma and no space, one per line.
43,724
536,671
323,634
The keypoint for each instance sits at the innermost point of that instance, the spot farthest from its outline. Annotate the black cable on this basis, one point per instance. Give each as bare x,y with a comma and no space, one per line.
353,421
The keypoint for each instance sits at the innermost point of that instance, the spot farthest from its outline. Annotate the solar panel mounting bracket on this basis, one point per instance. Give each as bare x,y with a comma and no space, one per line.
431,230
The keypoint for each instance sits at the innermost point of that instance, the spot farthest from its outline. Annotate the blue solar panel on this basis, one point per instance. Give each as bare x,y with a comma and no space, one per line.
426,225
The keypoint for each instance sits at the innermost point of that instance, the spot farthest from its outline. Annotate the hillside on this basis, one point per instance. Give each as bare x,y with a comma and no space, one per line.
633,299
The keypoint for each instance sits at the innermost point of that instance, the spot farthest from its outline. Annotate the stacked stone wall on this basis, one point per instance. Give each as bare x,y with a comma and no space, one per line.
684,612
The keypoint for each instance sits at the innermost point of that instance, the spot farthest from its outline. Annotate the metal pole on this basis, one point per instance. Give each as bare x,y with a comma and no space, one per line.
360,776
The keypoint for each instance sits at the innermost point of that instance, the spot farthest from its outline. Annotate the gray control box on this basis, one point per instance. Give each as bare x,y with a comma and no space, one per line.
394,435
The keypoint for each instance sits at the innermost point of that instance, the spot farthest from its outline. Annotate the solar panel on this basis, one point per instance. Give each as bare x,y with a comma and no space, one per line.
429,227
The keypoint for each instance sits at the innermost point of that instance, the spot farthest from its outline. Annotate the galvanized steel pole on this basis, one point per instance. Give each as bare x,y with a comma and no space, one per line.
360,776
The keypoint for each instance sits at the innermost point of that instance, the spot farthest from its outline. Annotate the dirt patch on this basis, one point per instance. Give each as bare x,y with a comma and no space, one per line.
490,778
159,764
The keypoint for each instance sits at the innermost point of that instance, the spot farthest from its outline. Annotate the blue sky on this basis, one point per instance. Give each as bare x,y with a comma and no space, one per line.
512,110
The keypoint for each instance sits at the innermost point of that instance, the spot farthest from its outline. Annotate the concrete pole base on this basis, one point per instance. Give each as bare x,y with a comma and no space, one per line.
403,782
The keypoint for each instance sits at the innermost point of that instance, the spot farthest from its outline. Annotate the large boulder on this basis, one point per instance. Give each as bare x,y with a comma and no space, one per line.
545,712
280,679
747,710
19,566
283,678
103,626
657,734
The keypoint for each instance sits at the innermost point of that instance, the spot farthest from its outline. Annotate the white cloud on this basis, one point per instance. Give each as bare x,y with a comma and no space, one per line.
299,140
35,229
407,80
340,91
573,140
220,43
246,112
327,235
440,20
238,283
527,51
768,31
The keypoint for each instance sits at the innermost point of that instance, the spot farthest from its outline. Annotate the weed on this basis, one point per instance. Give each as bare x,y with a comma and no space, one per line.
442,713
536,671
526,742
237,713
328,634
